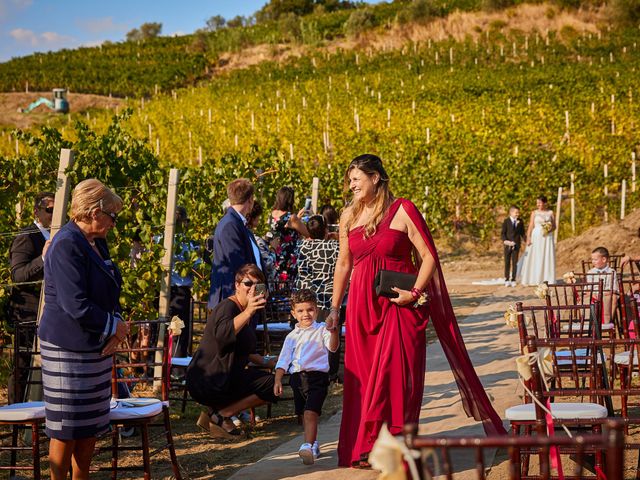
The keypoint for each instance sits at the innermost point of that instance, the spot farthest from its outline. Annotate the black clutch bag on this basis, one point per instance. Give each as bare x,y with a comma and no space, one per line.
387,279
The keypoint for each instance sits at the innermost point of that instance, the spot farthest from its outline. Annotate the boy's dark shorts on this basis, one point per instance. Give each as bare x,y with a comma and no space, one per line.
309,390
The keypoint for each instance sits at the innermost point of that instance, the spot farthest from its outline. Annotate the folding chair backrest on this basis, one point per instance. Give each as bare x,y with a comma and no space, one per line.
615,262
558,321
562,294
135,367
576,359
436,452
628,302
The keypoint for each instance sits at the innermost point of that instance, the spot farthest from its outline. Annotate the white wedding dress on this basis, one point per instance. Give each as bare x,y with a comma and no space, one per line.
539,263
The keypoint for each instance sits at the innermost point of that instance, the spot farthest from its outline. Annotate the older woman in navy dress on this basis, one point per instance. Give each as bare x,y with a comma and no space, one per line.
80,329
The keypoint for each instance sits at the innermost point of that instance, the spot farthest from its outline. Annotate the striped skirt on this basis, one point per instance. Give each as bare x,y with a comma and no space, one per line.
77,392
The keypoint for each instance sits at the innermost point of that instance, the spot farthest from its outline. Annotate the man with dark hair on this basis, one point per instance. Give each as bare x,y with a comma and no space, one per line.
27,268
233,245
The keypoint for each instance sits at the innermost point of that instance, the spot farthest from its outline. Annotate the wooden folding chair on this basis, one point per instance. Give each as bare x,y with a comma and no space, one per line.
615,262
22,416
557,321
179,390
433,455
147,406
563,294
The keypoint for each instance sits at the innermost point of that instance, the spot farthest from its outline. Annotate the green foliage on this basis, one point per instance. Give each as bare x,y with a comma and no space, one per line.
145,32
625,12
359,21
418,11
290,27
215,23
492,5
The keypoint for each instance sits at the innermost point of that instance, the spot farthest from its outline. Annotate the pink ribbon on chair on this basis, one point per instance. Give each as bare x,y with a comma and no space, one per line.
554,456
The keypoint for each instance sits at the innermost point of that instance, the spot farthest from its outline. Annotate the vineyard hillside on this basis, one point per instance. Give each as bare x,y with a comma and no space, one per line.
466,125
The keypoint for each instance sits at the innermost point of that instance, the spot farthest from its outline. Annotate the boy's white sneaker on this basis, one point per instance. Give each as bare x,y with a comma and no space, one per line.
306,453
316,450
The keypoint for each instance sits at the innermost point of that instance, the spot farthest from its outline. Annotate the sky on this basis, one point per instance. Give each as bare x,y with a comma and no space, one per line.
28,26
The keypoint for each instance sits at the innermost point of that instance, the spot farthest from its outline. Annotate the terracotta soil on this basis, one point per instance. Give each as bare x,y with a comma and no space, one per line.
618,236
78,102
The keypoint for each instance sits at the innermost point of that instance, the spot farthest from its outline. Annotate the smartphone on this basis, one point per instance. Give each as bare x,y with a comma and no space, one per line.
307,203
261,289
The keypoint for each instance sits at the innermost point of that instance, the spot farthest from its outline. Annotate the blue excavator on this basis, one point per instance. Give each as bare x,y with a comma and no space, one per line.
59,104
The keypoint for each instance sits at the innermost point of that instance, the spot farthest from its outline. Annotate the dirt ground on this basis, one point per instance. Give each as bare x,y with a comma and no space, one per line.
620,236
78,102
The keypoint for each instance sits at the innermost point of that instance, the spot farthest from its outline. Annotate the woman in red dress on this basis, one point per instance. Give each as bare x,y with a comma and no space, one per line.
385,348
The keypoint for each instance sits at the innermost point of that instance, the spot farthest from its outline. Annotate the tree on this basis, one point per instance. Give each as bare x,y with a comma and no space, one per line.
146,31
236,21
215,23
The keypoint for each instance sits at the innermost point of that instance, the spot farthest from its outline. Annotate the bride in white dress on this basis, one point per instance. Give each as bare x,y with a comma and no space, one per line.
539,263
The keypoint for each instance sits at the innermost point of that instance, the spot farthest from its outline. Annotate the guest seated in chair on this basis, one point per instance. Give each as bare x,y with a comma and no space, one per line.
218,376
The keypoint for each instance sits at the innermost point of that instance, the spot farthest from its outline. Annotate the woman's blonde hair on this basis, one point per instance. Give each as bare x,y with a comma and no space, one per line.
91,194
370,165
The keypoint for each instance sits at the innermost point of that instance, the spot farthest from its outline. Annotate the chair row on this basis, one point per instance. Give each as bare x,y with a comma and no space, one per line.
140,388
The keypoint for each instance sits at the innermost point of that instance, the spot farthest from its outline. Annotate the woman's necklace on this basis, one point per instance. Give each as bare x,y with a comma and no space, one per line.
92,243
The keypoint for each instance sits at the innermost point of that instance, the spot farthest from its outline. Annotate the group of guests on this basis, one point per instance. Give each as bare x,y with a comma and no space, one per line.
385,341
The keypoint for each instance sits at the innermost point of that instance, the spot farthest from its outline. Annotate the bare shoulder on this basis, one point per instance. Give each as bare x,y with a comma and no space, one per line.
346,214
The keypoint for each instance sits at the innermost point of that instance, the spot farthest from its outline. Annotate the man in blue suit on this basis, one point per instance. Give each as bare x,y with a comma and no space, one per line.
233,243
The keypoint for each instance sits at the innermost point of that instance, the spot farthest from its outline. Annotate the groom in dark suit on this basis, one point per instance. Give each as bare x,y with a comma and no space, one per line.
512,236
233,243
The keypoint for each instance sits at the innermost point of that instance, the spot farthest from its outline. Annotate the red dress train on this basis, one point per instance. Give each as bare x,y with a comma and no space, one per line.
385,348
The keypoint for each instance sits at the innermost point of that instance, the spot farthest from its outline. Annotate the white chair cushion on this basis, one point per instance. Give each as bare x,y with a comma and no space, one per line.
622,358
564,411
180,361
22,412
132,408
580,352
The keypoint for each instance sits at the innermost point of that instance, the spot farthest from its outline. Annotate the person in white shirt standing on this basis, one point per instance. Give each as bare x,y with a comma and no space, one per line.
305,355
602,271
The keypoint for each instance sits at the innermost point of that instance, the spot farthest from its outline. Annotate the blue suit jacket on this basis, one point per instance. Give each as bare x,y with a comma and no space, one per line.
231,249
81,292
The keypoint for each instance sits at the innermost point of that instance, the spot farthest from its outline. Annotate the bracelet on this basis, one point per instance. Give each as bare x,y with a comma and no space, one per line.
416,293
334,309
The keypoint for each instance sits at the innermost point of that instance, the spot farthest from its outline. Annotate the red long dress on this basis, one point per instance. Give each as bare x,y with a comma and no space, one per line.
385,345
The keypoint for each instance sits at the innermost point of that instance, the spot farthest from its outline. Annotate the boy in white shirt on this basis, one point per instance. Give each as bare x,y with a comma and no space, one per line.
305,355
602,270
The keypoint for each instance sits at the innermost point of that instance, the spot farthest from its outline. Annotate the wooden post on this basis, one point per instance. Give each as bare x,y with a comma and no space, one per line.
633,171
167,264
623,199
315,187
573,205
558,205
59,217
606,193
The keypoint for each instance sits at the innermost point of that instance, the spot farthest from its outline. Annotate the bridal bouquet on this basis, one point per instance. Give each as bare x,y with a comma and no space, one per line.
547,227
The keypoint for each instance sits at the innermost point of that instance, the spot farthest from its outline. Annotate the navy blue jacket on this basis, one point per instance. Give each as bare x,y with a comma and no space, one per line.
231,249
81,292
